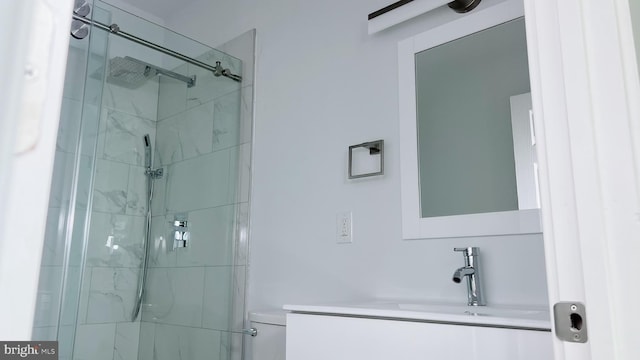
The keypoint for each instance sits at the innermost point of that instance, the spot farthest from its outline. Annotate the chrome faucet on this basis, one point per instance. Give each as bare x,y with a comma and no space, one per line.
471,270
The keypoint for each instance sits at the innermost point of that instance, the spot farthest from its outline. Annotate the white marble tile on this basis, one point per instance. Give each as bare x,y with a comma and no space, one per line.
126,341
238,296
69,127
94,82
160,251
137,192
140,102
172,94
226,344
211,238
91,122
242,169
230,346
62,180
205,88
48,297
85,290
145,344
235,174
112,295
159,195
75,296
181,343
110,186
124,137
246,114
116,240
217,297
174,296
185,135
65,338
101,135
226,121
198,183
94,342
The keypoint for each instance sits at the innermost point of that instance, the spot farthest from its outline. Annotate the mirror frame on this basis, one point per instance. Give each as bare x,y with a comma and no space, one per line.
483,224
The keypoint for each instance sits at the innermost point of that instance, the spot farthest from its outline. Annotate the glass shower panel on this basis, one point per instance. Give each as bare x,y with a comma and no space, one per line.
114,250
194,131
72,300
53,257
188,309
124,100
61,268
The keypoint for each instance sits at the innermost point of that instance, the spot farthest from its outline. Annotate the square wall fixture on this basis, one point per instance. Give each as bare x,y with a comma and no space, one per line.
366,159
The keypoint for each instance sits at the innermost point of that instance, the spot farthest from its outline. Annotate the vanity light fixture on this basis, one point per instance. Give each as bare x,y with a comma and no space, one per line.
463,6
376,148
404,10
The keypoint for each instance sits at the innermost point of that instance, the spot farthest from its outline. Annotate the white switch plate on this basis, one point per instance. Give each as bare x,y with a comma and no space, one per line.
344,228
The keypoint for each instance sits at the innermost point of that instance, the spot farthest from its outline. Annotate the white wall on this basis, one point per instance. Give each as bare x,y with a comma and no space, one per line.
323,84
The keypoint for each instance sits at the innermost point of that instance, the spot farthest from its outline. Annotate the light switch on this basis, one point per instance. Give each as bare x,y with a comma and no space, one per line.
344,229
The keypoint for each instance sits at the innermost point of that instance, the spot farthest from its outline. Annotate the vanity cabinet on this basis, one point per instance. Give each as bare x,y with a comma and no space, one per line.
323,337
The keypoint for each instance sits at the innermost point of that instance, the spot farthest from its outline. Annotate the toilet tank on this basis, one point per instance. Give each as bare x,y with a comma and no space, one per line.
269,343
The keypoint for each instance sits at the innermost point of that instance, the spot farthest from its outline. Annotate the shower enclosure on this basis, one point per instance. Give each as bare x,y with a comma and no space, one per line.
145,251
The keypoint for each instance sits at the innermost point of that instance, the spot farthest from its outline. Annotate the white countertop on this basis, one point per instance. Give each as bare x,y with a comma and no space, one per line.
497,316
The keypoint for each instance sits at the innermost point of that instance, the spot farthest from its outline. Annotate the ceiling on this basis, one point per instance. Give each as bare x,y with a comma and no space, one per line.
162,9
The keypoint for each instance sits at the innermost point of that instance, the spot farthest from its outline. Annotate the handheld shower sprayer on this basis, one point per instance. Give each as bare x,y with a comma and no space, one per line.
147,151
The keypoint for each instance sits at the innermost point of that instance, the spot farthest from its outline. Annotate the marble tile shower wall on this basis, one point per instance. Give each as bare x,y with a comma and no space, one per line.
195,295
115,241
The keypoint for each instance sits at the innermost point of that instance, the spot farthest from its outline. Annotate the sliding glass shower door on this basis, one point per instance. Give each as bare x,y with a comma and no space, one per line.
146,212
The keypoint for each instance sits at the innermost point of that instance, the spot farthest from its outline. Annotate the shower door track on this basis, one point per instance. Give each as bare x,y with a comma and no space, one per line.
115,29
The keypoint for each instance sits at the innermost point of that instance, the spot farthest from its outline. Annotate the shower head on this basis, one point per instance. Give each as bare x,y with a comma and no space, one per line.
125,72
147,151
132,73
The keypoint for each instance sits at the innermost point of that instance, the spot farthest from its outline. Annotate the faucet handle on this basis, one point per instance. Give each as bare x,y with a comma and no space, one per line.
468,251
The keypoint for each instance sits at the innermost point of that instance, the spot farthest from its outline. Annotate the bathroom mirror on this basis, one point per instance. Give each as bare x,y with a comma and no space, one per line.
468,152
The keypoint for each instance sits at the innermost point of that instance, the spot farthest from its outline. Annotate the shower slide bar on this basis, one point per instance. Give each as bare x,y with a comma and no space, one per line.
115,29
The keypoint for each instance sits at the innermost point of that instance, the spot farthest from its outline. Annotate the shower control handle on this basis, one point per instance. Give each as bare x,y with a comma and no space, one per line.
181,233
180,239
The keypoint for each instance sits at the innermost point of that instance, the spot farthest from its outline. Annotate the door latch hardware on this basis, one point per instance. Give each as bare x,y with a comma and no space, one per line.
570,322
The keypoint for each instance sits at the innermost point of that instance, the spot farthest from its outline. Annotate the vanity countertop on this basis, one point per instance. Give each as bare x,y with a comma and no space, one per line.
519,317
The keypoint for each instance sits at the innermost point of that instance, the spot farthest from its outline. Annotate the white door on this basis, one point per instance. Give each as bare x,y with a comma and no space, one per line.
586,100
34,38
